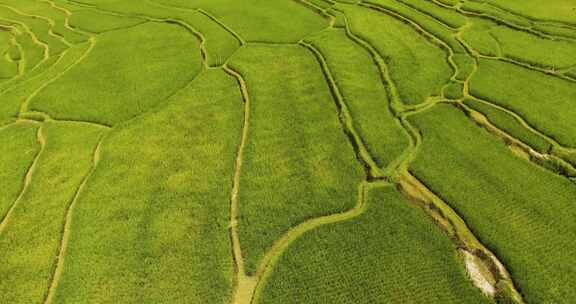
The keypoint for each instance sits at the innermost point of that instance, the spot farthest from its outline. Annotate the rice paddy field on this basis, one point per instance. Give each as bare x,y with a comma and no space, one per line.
287,151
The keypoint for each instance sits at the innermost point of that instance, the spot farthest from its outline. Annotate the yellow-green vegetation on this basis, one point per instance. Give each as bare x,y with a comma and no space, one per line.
31,231
297,160
399,246
92,20
359,83
19,149
545,102
509,202
287,151
120,61
417,65
166,239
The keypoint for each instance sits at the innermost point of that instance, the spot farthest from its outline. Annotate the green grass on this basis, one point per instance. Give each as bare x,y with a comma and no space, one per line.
392,253
107,86
298,162
162,188
31,237
521,212
544,102
360,83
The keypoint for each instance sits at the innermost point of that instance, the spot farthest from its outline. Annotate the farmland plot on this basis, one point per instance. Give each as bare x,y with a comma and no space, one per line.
287,151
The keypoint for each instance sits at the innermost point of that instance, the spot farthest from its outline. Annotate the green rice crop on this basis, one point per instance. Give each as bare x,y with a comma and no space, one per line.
446,16
511,125
510,204
522,46
249,17
546,103
93,21
494,13
40,28
454,90
554,10
31,238
298,161
360,83
13,99
32,52
55,17
119,62
16,156
426,21
413,61
287,151
404,258
161,187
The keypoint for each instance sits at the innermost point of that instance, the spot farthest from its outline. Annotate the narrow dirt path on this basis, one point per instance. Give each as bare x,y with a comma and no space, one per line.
244,285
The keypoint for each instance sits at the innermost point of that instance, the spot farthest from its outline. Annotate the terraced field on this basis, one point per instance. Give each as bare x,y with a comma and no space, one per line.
287,151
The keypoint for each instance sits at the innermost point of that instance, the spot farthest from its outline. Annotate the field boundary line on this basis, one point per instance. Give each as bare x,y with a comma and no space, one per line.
58,267
242,282
45,117
27,180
